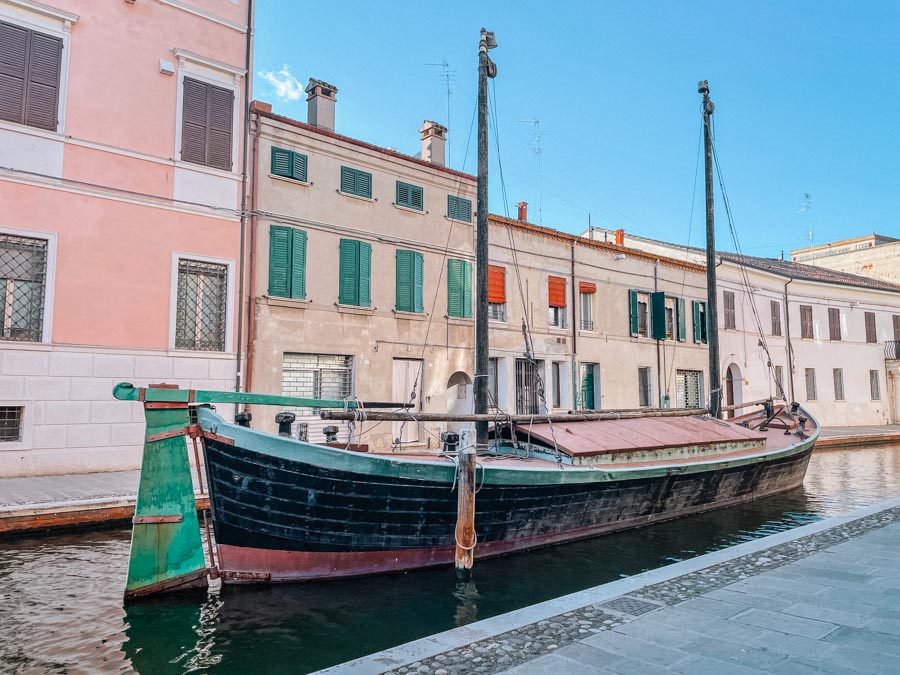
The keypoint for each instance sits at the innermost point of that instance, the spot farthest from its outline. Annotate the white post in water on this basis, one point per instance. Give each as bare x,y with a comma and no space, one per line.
465,505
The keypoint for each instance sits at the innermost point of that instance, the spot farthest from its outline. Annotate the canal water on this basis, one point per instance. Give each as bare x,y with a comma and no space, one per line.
61,604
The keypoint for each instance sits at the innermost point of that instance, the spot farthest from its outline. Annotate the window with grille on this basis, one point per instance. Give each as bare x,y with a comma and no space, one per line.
838,375
410,196
871,335
459,208
23,277
10,423
324,376
775,307
200,314
728,301
557,317
806,322
30,65
645,389
810,384
528,386
207,114
587,310
688,388
874,385
834,323
497,311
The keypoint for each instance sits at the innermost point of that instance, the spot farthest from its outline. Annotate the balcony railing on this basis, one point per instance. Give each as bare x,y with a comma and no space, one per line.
892,350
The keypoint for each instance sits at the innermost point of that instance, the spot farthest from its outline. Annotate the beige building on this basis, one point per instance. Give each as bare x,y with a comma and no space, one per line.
873,256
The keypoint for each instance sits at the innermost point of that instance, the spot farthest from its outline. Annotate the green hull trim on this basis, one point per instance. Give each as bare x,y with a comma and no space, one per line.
125,391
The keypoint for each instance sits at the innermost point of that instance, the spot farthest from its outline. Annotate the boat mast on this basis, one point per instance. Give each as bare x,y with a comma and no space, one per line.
712,313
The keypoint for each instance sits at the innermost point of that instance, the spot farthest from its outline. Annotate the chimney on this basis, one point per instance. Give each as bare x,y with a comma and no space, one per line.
620,237
434,138
523,211
321,104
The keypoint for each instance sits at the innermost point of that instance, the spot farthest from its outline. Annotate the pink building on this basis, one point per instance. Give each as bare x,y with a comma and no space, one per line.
121,164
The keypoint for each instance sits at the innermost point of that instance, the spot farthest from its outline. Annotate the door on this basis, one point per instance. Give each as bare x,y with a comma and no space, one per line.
407,388
587,386
526,388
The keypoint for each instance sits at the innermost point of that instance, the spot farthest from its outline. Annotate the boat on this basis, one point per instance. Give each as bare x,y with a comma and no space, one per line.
286,510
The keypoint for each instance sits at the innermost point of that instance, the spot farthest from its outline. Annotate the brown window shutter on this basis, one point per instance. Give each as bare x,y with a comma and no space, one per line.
194,121
587,287
42,93
221,107
496,284
556,287
13,57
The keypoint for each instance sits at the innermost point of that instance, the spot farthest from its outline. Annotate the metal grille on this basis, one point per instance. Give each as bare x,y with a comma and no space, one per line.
497,311
23,275
688,388
10,424
557,317
630,606
201,308
526,388
316,376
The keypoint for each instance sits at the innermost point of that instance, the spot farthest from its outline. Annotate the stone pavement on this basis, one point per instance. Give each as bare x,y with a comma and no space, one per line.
39,489
822,598
881,430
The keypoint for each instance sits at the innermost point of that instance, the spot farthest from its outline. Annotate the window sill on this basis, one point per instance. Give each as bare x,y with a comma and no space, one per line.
410,209
360,197
355,309
32,131
562,330
457,220
209,170
292,181
411,316
297,303
459,320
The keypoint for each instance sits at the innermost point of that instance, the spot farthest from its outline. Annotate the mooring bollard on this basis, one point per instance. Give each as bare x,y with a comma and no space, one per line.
284,420
465,506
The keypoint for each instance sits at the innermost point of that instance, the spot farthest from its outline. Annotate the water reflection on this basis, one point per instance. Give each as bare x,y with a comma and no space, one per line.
61,609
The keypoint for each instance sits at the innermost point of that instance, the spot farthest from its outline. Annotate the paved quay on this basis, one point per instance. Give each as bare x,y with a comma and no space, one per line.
822,598
832,437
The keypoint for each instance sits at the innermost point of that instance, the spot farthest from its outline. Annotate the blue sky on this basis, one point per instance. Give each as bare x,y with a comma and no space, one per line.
807,99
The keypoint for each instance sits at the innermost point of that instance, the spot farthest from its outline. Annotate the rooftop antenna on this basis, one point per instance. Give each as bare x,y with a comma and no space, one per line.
536,142
808,202
448,77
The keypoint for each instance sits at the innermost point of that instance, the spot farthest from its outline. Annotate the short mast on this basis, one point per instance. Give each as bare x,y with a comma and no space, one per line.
712,313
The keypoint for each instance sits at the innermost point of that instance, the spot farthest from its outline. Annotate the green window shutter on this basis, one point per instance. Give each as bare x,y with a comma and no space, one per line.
633,312
279,261
348,180
365,274
704,324
459,208
281,162
349,273
452,207
402,194
298,264
679,310
465,210
410,196
454,288
695,306
298,166
658,315
467,289
404,282
363,184
417,197
418,282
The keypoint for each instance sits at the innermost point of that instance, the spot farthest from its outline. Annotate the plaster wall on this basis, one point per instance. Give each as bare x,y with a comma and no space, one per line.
879,262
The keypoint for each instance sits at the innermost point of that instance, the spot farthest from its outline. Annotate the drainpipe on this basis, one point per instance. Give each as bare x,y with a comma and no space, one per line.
242,262
788,345
575,319
251,291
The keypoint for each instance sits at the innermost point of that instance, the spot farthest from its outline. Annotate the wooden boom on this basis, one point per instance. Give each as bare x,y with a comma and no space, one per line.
340,415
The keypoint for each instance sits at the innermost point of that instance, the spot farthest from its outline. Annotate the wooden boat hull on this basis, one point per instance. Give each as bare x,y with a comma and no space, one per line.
289,511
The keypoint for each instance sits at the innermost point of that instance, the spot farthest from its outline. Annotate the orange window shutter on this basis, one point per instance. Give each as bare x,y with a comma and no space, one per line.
496,284
587,287
557,291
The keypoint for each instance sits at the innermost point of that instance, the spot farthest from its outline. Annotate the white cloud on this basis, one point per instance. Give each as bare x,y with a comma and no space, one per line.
286,86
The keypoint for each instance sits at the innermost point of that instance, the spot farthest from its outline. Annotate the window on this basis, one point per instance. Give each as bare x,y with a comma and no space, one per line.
409,196
23,280
287,262
459,288
810,384
355,273
586,293
896,327
207,114
459,208
496,293
527,400
493,383
670,318
289,164
838,375
201,306
556,293
689,388
589,376
834,323
639,313
874,385
806,322
699,312
556,383
30,66
871,335
779,381
316,376
410,269
775,308
11,423
644,387
728,302
356,182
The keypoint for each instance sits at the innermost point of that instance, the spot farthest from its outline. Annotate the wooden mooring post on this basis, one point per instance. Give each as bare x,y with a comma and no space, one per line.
466,539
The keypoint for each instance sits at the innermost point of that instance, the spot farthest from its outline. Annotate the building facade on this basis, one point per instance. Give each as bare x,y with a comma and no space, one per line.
120,173
874,256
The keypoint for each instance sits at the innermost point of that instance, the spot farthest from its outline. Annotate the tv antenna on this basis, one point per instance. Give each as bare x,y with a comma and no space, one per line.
538,150
808,202
448,76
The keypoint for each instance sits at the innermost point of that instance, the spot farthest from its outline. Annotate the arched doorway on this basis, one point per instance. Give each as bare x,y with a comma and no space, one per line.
734,394
460,398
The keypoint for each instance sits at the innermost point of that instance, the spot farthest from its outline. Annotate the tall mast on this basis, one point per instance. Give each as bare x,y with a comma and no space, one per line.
486,69
712,309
